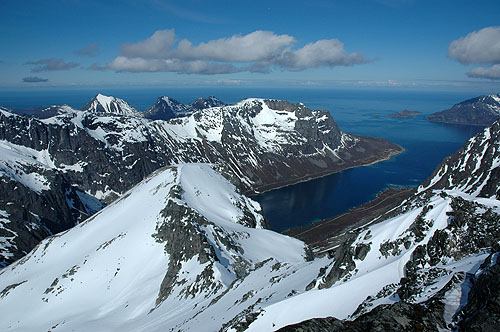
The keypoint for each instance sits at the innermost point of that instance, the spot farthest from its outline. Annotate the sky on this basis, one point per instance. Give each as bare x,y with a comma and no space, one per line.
400,44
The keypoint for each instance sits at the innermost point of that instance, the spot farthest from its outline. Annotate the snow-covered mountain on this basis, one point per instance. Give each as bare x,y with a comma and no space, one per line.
263,143
184,251
210,268
107,104
482,111
174,253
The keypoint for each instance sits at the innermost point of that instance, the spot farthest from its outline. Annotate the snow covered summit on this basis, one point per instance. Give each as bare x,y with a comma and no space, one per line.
106,104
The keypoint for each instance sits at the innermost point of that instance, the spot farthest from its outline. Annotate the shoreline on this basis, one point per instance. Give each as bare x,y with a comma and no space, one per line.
320,175
325,234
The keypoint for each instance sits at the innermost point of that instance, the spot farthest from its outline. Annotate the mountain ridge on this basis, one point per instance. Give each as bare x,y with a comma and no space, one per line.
263,143
479,111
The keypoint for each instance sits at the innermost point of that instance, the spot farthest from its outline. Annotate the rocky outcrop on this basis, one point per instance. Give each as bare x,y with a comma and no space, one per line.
481,111
473,169
167,108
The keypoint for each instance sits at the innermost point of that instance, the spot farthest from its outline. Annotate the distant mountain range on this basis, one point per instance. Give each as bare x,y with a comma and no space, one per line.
183,250
62,165
481,111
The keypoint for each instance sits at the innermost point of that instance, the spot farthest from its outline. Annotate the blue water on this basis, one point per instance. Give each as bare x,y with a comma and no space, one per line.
426,143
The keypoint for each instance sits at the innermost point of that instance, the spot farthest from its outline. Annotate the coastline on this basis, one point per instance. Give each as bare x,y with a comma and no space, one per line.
325,234
309,177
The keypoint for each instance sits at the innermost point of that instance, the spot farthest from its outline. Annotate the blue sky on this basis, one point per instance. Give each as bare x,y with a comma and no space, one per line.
407,44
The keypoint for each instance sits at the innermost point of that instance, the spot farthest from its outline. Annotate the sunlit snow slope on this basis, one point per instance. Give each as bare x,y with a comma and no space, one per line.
180,250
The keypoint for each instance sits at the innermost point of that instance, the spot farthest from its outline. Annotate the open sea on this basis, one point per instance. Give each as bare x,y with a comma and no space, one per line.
426,143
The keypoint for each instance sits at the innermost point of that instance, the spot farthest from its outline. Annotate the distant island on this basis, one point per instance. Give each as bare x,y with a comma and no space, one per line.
479,111
404,114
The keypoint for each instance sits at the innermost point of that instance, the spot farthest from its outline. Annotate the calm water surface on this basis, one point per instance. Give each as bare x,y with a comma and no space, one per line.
426,143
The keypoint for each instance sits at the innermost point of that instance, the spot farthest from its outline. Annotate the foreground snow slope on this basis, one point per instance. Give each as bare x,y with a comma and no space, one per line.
170,248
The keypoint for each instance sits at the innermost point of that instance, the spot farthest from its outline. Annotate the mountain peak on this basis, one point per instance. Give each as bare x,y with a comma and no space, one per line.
109,104
202,103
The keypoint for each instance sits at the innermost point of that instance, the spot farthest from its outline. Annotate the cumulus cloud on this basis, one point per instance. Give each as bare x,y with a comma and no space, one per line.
34,79
138,65
492,73
482,46
51,65
89,50
156,46
323,53
256,46
259,51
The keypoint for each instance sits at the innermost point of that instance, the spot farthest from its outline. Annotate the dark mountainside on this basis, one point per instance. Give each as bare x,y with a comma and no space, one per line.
167,108
480,111
108,147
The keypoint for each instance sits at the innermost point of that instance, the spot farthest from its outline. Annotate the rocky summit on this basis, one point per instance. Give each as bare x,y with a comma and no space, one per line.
73,161
481,111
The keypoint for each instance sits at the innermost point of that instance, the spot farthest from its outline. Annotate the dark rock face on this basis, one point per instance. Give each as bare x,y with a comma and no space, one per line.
167,108
29,217
397,317
481,111
482,312
202,103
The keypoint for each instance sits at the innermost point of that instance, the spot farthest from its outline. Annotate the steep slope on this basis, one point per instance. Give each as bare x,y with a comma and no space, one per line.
37,201
481,111
175,252
106,104
474,168
167,108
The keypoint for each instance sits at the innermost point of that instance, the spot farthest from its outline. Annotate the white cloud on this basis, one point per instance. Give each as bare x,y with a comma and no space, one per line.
138,65
323,53
492,72
156,46
256,46
259,51
481,46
